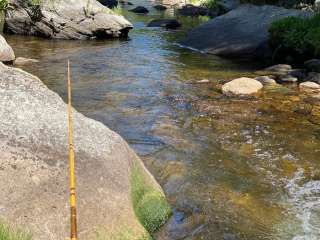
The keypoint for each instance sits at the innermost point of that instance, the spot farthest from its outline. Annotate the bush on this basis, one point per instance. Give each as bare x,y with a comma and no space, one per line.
296,37
210,4
3,4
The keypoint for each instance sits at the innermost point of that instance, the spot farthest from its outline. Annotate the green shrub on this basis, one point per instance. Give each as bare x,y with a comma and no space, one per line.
7,233
296,37
210,4
3,4
35,2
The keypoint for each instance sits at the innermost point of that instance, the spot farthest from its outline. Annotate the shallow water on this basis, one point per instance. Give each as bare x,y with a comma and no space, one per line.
231,168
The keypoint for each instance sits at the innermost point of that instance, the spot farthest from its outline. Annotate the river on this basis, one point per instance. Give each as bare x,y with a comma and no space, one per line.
231,168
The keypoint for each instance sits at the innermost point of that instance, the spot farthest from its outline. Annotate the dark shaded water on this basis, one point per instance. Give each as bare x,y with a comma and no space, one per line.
232,169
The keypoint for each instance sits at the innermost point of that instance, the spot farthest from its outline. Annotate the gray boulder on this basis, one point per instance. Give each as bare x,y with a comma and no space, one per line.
242,32
279,68
265,80
160,7
140,10
228,5
165,23
114,188
6,52
65,19
193,11
24,61
313,77
288,79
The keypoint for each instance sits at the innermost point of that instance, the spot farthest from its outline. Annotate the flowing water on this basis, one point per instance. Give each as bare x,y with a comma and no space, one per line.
231,168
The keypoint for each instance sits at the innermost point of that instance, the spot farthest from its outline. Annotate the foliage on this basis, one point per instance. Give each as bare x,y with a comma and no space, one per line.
35,2
210,4
3,4
7,233
150,204
297,37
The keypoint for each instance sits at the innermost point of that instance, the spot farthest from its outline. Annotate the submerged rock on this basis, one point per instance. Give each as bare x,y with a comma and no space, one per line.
114,188
288,79
24,61
203,81
309,87
160,7
165,23
265,80
279,68
65,19
140,10
242,32
313,77
193,11
122,2
6,52
241,87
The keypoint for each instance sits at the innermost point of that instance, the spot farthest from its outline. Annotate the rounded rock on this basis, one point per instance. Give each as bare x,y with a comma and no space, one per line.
6,52
265,80
140,10
241,87
309,87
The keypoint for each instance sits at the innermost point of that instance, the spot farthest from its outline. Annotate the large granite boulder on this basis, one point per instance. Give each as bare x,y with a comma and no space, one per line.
117,197
227,5
6,52
242,32
64,19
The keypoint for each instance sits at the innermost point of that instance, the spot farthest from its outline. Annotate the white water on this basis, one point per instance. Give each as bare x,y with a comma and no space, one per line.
305,200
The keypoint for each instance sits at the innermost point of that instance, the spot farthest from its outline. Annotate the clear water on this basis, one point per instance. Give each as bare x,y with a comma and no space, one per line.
231,168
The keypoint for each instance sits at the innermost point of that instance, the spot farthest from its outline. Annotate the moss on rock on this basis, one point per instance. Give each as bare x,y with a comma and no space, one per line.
149,202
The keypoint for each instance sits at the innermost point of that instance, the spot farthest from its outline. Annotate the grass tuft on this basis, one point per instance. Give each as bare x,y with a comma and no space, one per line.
6,233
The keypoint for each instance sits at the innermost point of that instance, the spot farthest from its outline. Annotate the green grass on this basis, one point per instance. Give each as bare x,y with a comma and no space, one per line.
6,233
297,37
150,204
210,4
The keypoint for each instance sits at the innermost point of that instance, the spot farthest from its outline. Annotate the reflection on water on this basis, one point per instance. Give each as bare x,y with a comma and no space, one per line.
232,169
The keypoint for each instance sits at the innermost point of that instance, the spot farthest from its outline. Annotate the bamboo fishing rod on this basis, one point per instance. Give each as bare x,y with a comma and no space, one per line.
73,210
